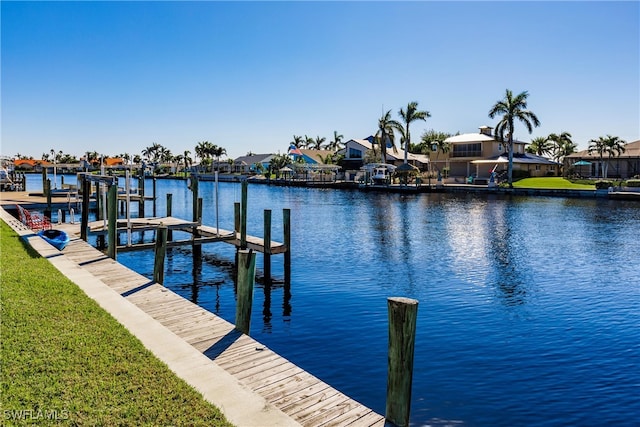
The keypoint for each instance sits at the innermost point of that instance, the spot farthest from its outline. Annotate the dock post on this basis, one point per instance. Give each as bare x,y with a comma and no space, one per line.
154,196
286,223
44,179
193,186
47,191
84,219
112,216
197,249
246,279
236,217
403,313
160,251
99,201
267,245
169,212
141,195
236,230
243,216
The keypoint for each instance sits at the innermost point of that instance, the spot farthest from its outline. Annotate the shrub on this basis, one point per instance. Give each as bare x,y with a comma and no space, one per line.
520,174
603,184
633,183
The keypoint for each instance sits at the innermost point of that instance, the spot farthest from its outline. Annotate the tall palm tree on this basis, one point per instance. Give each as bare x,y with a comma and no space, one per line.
441,147
540,146
318,142
598,146
297,140
203,150
512,108
612,146
188,161
615,147
308,142
218,152
411,114
385,134
336,143
561,146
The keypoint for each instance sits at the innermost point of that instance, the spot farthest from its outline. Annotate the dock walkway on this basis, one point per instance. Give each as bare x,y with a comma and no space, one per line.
250,383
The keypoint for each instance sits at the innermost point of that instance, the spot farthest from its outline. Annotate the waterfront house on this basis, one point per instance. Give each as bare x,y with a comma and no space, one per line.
625,166
250,164
311,157
356,150
477,154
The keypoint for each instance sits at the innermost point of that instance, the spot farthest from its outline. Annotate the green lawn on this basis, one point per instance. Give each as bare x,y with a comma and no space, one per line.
64,359
551,183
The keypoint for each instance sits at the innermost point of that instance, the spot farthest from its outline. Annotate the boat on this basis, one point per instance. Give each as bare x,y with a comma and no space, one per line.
379,173
56,238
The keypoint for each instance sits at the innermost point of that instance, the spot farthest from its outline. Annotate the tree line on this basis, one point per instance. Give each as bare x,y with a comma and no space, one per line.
511,109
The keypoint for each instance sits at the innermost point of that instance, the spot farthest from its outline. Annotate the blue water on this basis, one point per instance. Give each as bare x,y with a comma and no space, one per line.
529,308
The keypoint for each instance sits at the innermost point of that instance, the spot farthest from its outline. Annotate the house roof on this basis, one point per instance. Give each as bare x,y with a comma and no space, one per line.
254,158
30,162
316,156
474,137
393,155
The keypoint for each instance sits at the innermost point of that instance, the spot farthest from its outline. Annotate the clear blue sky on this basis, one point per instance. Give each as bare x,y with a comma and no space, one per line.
116,77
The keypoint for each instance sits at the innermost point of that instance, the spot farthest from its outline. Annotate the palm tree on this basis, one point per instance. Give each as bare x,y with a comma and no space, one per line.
318,142
336,142
609,145
297,140
218,152
561,146
385,134
203,150
540,146
512,108
615,147
308,142
409,115
441,147
188,161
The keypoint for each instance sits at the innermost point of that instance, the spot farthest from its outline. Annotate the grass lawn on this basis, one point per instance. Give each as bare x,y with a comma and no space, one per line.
64,359
551,182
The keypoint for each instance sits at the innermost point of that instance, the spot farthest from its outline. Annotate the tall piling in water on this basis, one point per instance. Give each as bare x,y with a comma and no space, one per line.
403,313
246,278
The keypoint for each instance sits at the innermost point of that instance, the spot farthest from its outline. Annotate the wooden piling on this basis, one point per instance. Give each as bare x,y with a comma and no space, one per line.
193,186
84,219
169,213
154,197
112,216
141,194
197,249
236,229
160,252
267,245
243,216
99,202
403,313
47,211
246,278
286,226
236,217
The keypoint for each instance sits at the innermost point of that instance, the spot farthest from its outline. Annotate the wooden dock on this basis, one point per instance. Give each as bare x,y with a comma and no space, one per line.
206,234
297,393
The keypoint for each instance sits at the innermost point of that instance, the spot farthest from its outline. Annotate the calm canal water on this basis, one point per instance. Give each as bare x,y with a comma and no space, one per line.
529,308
